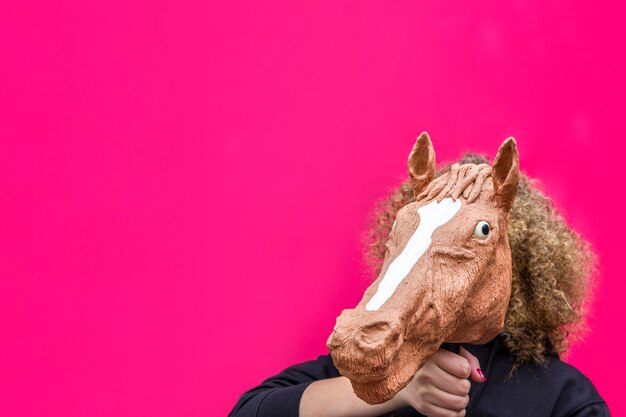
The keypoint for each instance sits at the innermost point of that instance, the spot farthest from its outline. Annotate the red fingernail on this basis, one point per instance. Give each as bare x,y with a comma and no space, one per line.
480,372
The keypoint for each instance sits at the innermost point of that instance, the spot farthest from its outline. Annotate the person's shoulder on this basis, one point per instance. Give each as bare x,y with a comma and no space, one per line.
555,389
576,393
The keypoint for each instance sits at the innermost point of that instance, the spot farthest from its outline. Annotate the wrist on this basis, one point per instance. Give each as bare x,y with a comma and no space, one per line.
398,401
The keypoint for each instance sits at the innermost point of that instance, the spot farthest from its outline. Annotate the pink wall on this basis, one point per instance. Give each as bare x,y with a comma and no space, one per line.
183,185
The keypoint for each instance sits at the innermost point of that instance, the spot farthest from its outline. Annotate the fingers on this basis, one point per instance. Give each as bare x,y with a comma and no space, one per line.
441,387
444,399
452,363
448,382
441,403
476,373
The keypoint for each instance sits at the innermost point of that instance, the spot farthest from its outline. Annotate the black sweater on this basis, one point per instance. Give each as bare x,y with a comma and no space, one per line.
557,390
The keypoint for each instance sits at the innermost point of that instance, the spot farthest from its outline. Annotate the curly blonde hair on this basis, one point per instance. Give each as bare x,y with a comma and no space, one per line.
553,268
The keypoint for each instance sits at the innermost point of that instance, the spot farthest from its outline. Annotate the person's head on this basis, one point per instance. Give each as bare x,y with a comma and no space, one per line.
446,276
552,267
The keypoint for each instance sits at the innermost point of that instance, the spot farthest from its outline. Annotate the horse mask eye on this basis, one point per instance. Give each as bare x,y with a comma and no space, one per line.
433,276
482,230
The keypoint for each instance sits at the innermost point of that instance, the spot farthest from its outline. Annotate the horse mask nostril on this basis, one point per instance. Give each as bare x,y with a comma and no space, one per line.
379,332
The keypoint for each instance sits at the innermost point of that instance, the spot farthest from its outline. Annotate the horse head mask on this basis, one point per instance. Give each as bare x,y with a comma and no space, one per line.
446,276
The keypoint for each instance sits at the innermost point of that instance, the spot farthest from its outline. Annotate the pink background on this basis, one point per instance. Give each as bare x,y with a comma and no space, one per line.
183,185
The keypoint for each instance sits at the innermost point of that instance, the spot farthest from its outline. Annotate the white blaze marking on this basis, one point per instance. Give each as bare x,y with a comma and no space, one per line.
432,216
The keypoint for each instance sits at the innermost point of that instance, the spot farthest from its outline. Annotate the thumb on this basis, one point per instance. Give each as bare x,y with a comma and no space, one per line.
477,374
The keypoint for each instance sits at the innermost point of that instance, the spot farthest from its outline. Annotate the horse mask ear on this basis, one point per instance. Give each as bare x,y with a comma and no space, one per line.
421,163
505,174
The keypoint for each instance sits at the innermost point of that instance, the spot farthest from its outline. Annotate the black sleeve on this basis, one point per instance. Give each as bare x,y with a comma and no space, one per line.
279,395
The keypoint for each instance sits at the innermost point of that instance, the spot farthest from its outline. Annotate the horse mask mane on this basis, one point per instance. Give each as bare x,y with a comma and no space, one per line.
446,276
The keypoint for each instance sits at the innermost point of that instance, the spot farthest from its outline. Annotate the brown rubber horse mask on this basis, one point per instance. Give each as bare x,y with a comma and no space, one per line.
446,276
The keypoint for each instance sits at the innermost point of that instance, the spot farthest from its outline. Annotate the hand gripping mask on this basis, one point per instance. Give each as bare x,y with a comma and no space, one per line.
446,276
